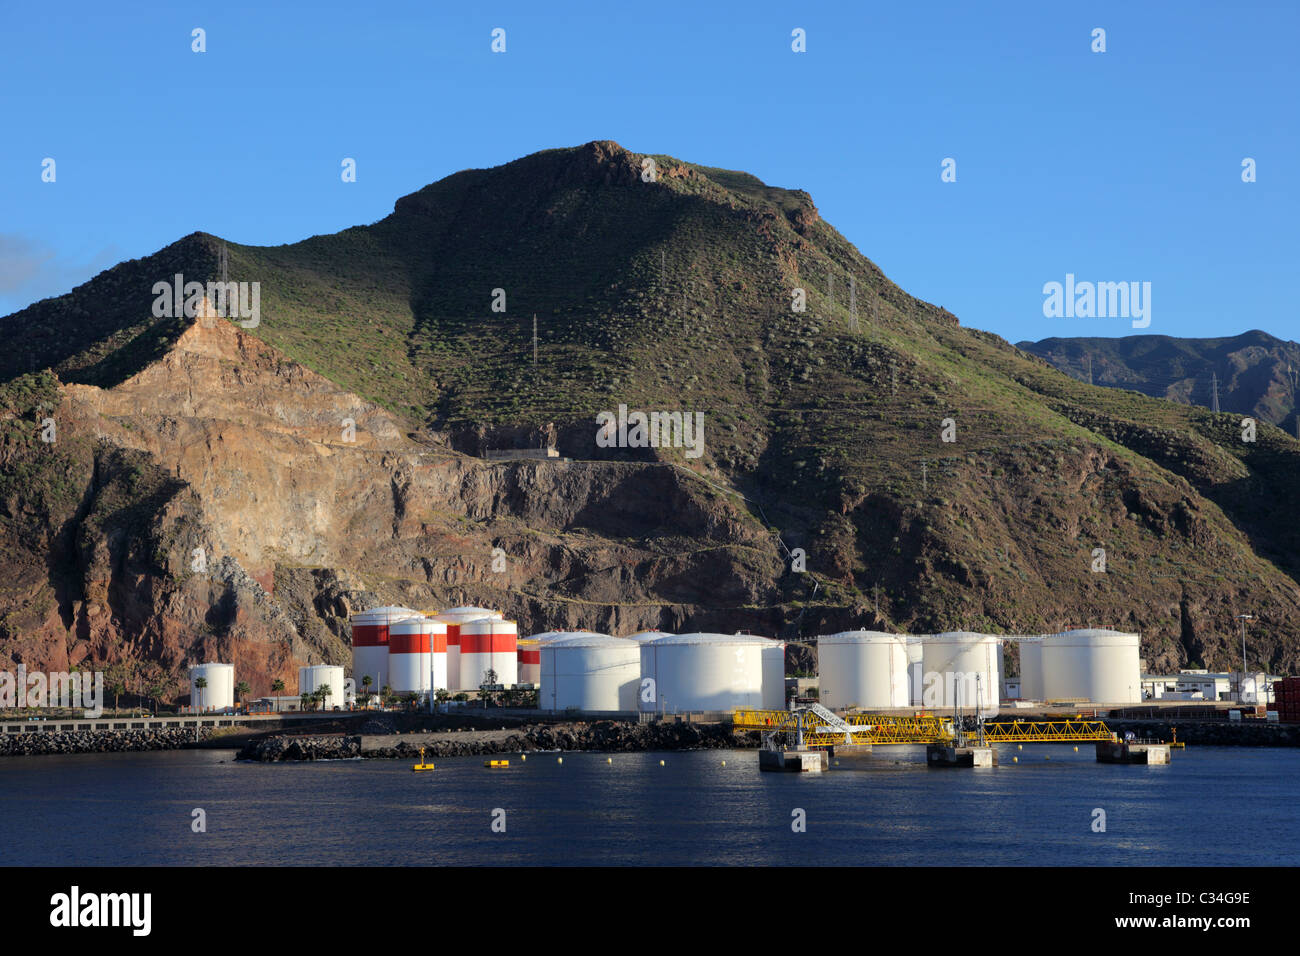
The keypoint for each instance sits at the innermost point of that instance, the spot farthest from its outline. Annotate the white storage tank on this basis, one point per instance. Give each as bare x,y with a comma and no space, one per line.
773,655
530,652
218,692
867,669
311,679
411,655
592,672
370,645
438,679
1093,664
962,667
530,661
488,645
454,618
1031,668
641,636
716,672
915,669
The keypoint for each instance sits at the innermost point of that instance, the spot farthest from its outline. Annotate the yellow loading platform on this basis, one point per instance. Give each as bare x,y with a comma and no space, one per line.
820,728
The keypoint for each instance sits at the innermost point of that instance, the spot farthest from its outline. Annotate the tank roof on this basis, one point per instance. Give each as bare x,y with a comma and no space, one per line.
545,637
388,614
589,639
860,637
708,638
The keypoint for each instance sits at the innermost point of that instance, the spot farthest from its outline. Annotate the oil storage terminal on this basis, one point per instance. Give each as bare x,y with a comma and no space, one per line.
943,690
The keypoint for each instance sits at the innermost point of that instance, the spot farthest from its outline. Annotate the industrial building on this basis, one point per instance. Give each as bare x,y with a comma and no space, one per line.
1201,684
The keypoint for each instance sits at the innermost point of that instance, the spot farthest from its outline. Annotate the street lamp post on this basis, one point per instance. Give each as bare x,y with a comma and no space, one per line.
1241,685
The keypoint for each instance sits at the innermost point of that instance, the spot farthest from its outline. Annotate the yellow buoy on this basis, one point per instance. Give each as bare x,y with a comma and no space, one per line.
1015,760
559,760
661,763
496,764
1020,746
422,765
724,763
1076,749
523,756
609,760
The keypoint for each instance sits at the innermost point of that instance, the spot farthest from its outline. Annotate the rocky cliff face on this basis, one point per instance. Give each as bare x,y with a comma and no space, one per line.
229,494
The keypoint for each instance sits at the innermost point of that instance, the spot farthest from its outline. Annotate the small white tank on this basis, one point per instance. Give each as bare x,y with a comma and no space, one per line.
866,669
218,692
311,679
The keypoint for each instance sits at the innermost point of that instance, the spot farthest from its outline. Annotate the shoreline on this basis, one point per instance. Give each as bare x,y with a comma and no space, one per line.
402,736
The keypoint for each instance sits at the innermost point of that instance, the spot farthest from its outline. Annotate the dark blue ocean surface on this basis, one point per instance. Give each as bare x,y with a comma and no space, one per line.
1211,806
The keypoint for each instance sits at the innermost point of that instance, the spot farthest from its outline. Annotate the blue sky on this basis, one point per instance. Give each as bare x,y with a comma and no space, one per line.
1115,166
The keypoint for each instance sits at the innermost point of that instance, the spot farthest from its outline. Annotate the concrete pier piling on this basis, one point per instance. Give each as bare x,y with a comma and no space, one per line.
1122,752
793,760
949,755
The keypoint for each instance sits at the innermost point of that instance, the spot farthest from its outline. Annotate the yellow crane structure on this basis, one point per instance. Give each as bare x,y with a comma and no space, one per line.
816,726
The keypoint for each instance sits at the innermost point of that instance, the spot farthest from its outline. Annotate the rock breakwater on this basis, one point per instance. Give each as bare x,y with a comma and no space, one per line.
97,741
610,736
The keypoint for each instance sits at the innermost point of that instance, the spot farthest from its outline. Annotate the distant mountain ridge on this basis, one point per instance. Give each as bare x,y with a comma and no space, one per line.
1256,373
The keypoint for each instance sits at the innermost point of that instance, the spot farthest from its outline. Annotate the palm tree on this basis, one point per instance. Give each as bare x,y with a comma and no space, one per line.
386,695
277,688
325,691
117,682
365,685
241,689
305,701
199,684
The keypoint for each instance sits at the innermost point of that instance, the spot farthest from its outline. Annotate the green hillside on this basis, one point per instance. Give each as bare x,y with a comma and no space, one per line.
676,294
